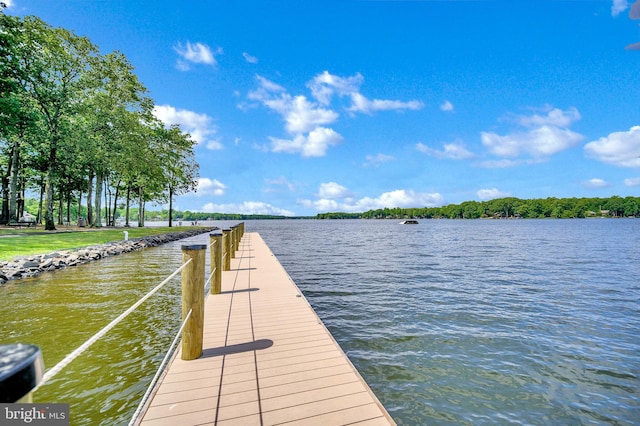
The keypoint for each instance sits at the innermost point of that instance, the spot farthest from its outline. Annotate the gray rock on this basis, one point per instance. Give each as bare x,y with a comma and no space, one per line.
31,264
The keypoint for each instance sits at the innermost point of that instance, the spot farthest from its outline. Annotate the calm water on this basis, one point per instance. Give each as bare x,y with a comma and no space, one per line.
450,322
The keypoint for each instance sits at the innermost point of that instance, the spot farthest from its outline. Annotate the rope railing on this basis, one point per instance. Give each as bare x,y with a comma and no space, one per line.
49,374
161,368
193,297
211,275
223,247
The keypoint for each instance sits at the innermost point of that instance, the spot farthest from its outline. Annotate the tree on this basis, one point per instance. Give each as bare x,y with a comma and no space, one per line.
111,107
615,205
631,207
51,63
15,114
72,120
180,167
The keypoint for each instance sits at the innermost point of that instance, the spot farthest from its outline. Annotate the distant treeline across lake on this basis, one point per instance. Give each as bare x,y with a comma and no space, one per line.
509,207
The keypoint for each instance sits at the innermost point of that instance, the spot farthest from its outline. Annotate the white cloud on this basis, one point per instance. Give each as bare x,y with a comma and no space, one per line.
8,3
404,199
333,190
595,183
555,117
208,186
451,151
545,136
266,86
618,7
279,182
502,164
538,143
632,181
246,207
250,58
323,205
324,85
194,53
197,125
446,106
303,119
306,120
302,116
620,149
399,198
376,160
367,106
490,194
315,144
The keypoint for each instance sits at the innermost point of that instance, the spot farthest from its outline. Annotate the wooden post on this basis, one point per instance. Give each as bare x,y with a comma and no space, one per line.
238,235
215,263
226,248
234,235
193,300
233,242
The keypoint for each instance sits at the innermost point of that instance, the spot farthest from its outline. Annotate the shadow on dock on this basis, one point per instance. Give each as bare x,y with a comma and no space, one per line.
236,349
240,291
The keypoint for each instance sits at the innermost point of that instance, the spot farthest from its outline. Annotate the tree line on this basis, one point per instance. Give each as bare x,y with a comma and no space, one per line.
76,123
509,207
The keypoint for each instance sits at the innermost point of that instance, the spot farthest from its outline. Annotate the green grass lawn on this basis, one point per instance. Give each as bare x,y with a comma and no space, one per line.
25,241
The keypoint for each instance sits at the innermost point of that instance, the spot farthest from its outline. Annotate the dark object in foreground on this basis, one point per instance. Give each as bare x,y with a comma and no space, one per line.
21,368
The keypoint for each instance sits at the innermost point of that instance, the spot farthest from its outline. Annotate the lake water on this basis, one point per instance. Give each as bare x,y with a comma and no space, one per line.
450,322
480,322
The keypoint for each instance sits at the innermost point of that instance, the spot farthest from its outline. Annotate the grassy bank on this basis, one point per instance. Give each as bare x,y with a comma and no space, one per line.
25,241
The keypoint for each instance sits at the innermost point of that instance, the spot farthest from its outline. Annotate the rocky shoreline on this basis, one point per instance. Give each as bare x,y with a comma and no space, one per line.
29,266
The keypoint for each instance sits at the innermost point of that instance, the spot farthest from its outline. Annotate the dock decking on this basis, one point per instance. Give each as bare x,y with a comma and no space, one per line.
267,359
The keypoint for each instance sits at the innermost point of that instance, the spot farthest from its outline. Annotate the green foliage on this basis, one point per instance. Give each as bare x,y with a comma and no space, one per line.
338,215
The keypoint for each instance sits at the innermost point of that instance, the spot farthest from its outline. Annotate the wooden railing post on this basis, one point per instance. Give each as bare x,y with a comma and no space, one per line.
215,263
238,235
233,242
193,300
226,248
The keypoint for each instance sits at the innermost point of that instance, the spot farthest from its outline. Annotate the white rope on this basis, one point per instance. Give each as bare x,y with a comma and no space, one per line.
160,370
73,355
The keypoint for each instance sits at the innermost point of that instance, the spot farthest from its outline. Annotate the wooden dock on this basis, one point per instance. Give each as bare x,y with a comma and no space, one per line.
268,359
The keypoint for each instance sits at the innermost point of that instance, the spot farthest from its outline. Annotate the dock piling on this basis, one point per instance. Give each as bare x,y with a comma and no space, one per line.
226,248
193,300
215,262
232,244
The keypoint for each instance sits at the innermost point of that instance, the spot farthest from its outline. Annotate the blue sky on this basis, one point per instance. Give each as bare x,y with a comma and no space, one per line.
301,107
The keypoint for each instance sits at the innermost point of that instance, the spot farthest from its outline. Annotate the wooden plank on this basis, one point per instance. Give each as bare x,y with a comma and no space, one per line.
267,358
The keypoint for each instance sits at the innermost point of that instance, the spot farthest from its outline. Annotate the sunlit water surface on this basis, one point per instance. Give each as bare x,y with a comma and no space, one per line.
450,322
